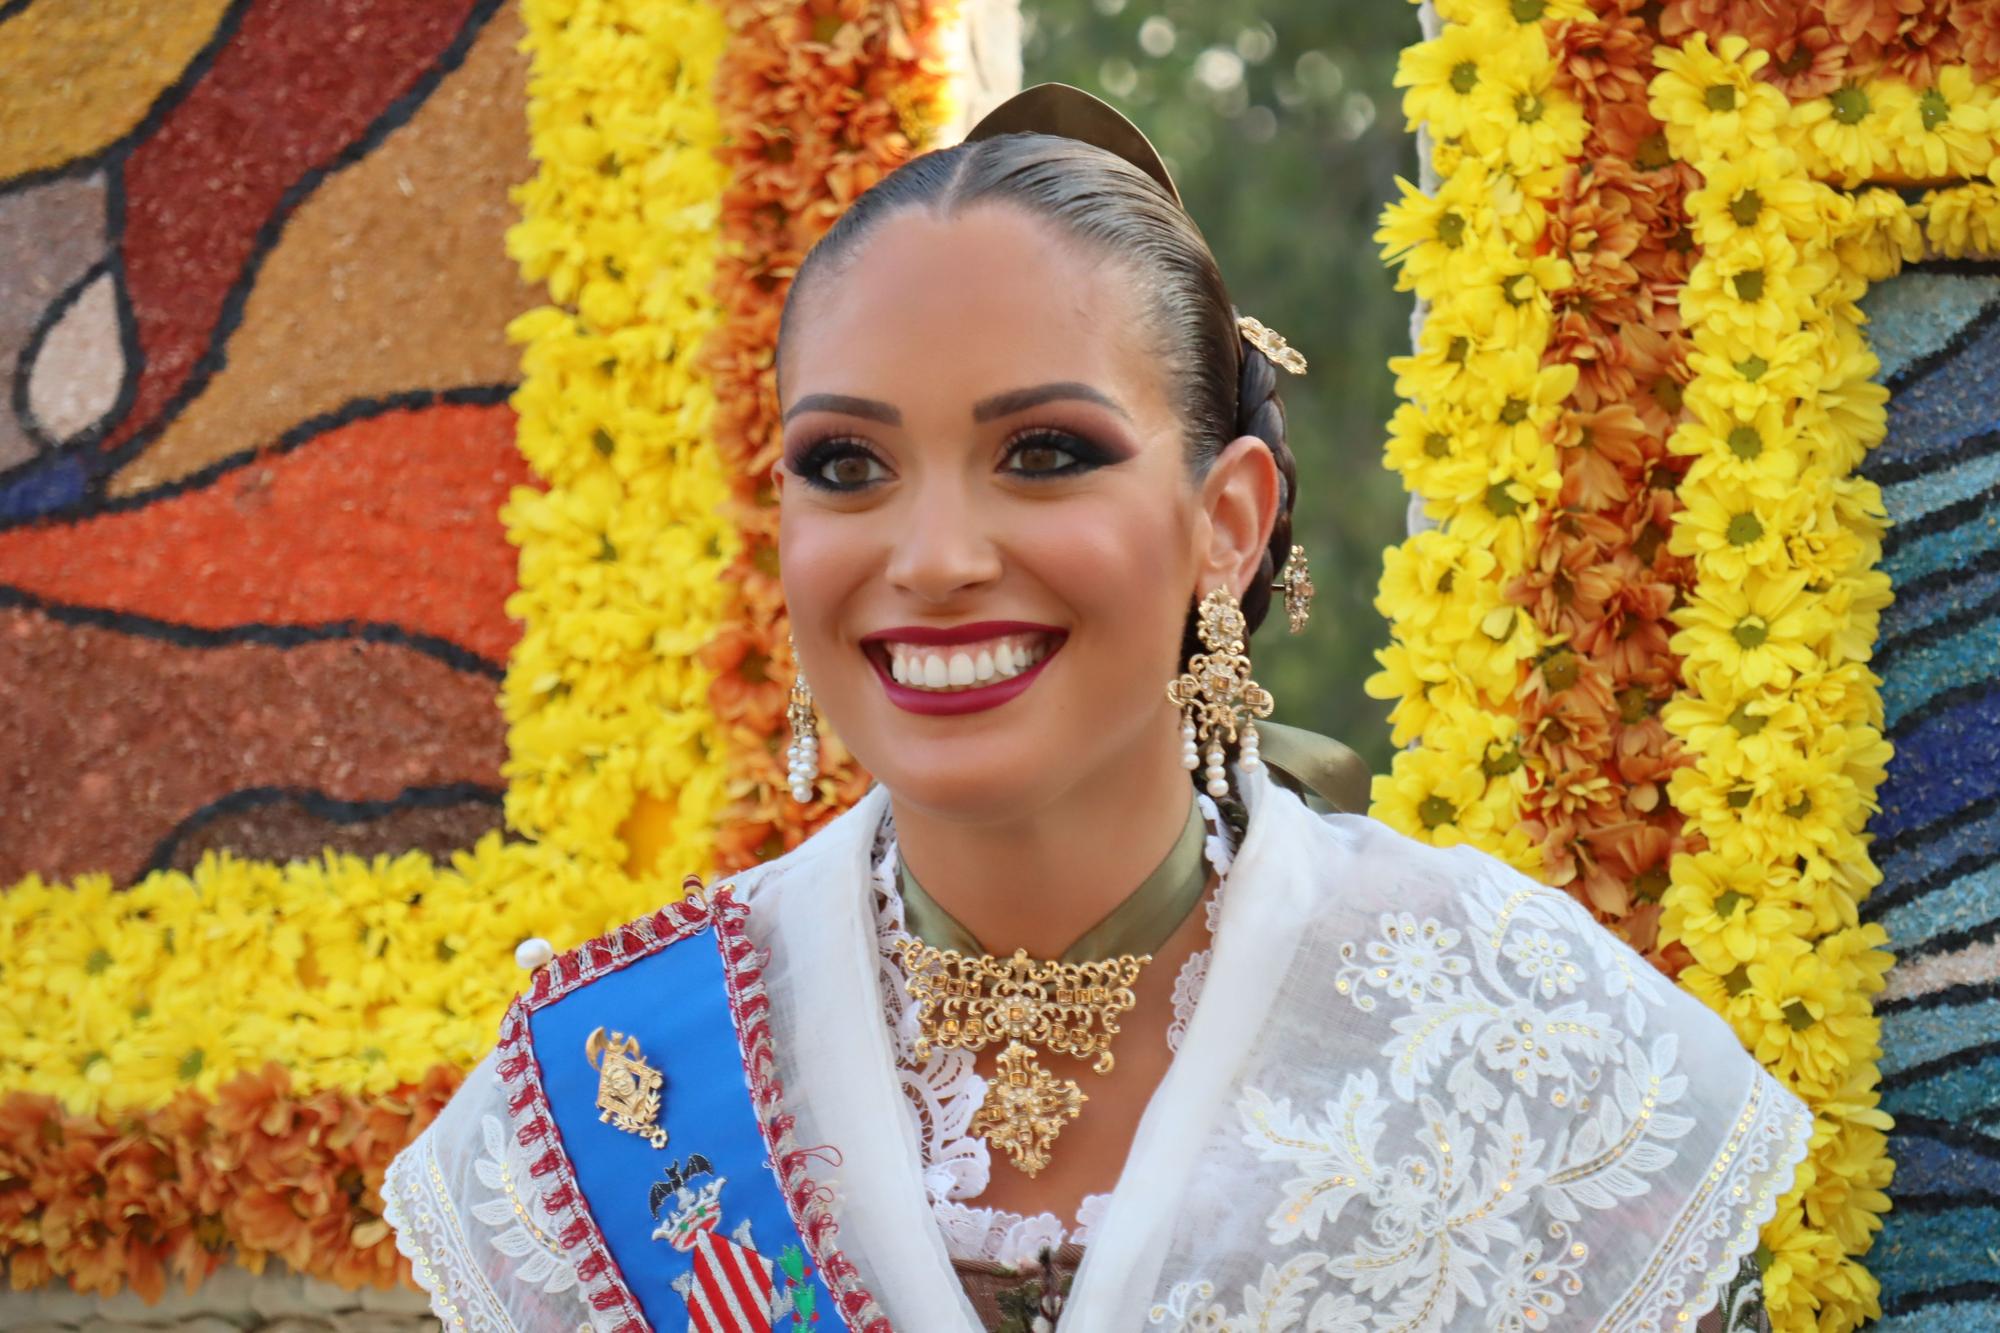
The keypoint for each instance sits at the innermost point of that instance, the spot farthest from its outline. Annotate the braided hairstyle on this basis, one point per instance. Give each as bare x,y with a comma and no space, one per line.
1222,385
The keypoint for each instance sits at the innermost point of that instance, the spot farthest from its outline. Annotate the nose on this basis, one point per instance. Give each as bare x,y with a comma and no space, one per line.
943,548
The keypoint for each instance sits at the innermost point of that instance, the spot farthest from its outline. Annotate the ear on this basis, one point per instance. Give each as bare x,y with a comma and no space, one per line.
1239,498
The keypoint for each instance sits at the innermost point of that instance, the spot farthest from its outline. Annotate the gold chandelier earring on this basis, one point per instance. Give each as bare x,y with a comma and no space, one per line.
802,759
1295,580
1219,702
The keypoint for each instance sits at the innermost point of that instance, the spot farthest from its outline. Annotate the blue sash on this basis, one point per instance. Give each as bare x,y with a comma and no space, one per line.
640,1066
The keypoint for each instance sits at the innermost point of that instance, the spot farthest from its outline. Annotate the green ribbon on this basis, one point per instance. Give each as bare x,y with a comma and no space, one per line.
1325,774
1137,926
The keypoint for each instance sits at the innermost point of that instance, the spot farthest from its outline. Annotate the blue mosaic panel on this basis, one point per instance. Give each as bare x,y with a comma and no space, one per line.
1937,330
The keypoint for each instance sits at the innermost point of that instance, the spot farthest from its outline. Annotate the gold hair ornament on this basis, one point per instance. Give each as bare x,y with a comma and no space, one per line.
1068,112
967,1002
1272,344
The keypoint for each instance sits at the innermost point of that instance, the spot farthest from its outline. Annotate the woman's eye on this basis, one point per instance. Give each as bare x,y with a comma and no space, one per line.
1046,455
845,468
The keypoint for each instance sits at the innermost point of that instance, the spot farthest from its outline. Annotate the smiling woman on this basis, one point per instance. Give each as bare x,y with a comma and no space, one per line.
1002,1073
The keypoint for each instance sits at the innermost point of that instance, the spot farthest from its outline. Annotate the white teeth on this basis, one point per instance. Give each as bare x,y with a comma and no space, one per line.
927,668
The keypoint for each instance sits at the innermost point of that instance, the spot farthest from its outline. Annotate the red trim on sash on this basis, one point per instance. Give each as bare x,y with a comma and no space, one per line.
534,1127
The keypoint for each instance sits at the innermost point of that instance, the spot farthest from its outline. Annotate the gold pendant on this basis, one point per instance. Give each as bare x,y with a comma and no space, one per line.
966,1002
1025,1108
628,1089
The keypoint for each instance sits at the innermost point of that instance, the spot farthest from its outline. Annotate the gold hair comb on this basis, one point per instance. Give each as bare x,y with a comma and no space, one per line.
1272,344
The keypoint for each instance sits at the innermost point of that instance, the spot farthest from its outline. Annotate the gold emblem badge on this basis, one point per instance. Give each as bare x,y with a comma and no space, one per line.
628,1089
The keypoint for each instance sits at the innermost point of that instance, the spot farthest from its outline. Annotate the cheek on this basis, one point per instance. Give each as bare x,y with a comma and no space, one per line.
1119,564
822,559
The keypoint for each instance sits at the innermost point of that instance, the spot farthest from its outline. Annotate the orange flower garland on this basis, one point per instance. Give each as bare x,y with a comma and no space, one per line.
818,102
1605,578
259,1172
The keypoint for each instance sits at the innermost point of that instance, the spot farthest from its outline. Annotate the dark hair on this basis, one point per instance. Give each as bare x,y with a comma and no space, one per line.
1223,386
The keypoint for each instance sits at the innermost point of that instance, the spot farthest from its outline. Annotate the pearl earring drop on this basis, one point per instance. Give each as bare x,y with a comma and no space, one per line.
802,759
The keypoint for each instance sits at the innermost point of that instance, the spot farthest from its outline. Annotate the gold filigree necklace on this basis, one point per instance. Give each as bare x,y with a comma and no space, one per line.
967,999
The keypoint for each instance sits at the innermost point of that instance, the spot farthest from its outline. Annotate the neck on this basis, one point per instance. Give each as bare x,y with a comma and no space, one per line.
1038,879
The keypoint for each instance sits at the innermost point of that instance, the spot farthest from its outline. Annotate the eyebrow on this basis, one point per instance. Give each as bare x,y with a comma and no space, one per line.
986,409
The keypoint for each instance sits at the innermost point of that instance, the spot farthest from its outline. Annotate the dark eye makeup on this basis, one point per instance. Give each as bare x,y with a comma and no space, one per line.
844,464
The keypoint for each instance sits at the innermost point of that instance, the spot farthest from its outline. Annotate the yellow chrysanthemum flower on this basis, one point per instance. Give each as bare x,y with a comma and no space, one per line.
1847,135
1489,739
1446,76
1736,448
1521,115
1727,911
1513,11
1454,354
1756,190
1711,102
1758,283
1741,371
1426,687
1436,796
1735,732
1945,130
1814,1020
1492,658
1878,234
1802,1265
1734,527
1440,451
1427,579
1444,241
1963,220
1855,602
1764,631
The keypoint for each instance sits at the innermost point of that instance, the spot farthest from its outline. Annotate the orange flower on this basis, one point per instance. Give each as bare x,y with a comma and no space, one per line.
1600,63
1978,35
1925,40
1871,21
1809,61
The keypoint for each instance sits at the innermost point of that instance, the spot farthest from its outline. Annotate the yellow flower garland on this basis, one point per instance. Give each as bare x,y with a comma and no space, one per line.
1471,438
1781,717
622,555
1781,714
353,973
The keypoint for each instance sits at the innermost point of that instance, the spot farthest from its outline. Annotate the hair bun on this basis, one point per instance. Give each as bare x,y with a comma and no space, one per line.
1261,412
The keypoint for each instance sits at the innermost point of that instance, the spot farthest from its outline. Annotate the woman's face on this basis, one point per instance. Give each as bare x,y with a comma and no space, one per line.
991,537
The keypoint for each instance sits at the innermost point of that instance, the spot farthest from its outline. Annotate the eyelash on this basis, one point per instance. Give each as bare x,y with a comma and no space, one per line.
1084,456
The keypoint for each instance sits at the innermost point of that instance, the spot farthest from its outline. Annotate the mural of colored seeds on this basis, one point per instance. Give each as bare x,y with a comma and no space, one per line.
254,265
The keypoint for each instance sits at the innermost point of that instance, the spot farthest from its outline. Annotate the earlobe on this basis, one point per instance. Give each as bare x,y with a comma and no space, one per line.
1240,498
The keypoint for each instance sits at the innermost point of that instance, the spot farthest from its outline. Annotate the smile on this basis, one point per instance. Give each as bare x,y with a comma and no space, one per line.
963,669
965,666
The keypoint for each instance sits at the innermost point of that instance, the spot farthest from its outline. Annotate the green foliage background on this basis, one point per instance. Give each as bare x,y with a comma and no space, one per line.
1281,128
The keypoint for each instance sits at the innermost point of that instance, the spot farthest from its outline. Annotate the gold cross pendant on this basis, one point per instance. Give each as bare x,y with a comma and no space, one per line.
1025,1108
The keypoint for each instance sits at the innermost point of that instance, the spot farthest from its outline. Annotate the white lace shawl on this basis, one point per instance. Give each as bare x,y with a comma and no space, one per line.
1420,1091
